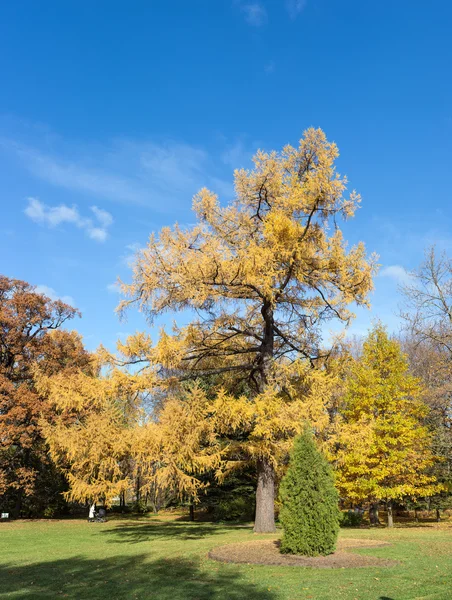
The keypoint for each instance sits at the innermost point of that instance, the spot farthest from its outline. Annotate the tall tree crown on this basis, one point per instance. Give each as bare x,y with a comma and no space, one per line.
263,272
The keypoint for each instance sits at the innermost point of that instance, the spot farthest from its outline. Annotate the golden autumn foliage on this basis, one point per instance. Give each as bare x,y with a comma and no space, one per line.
170,453
90,429
264,273
103,432
382,450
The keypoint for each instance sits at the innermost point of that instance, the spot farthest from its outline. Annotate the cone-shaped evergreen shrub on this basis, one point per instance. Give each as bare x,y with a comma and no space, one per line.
309,512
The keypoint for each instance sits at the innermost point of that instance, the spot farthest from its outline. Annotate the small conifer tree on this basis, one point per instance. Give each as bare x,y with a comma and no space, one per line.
309,512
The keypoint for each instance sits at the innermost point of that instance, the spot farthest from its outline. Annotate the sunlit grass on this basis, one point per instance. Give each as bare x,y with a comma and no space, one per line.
167,559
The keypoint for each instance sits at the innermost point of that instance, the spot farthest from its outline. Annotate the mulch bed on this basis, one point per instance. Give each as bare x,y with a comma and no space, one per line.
266,552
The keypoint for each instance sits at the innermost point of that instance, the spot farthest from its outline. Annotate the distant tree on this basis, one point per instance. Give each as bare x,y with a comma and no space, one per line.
428,342
309,512
29,336
431,364
264,274
428,298
382,449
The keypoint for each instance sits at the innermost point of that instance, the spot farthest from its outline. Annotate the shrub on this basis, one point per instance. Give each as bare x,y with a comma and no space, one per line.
140,507
309,502
350,519
49,512
235,508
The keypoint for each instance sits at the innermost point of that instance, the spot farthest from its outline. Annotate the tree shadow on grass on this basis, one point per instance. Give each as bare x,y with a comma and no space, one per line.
128,578
135,533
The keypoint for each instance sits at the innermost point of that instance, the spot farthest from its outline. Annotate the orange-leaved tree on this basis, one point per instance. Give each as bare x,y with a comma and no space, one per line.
29,335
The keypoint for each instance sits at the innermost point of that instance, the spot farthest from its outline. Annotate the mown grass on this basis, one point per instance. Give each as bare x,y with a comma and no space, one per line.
167,560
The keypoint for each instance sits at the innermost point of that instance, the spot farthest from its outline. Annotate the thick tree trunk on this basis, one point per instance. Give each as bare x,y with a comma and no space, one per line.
373,514
265,498
192,512
438,515
265,494
390,517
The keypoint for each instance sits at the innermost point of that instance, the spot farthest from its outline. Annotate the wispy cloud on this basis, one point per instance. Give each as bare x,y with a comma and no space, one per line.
397,273
131,172
295,7
51,293
128,258
113,288
255,13
52,216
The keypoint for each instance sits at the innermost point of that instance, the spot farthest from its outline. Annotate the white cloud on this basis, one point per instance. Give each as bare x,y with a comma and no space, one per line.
295,7
113,288
128,258
255,13
76,176
51,293
104,217
239,154
97,233
397,273
146,173
52,216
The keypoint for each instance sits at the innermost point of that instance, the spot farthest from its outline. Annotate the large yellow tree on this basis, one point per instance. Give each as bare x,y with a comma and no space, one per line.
382,449
264,273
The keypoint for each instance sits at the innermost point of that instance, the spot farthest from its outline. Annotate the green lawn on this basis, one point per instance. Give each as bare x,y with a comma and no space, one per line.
166,560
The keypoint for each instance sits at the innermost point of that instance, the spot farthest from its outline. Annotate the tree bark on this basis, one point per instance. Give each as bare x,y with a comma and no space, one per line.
265,498
192,512
438,515
390,517
373,514
264,521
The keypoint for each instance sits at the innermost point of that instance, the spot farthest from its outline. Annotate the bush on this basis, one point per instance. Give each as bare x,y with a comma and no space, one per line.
140,507
350,519
49,512
309,502
235,508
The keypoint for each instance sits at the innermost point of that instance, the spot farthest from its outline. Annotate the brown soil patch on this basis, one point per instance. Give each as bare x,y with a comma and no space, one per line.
266,552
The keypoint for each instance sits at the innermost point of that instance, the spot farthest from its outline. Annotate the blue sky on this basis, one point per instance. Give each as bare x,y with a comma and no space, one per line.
112,114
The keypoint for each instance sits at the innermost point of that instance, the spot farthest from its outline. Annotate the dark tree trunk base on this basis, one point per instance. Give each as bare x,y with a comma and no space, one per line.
373,514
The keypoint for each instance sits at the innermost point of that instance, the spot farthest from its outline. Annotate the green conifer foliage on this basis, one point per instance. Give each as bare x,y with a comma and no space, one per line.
309,512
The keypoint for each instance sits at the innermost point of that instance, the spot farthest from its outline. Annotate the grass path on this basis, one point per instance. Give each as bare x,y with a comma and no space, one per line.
167,560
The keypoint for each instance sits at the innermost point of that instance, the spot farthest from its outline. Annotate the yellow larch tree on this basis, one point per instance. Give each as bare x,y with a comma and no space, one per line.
382,450
176,445
106,428
90,427
264,274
